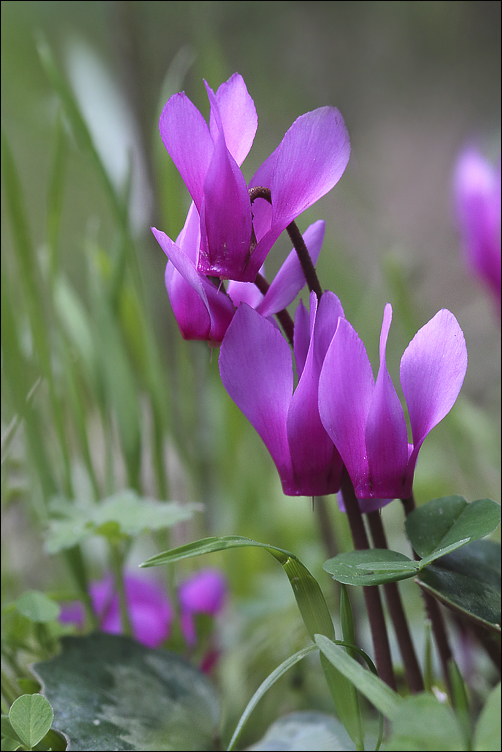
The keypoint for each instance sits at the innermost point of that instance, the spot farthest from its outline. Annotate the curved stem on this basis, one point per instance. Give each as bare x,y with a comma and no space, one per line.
298,243
308,267
374,608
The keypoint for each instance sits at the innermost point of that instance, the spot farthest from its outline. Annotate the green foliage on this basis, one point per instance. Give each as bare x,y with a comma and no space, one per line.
311,604
31,718
118,517
468,582
37,607
487,736
306,730
443,522
435,530
110,692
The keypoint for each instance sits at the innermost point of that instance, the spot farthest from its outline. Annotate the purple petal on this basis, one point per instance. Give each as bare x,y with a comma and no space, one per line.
301,337
201,310
477,198
244,292
317,466
386,434
204,592
256,370
308,162
226,217
432,372
330,310
290,279
345,390
238,116
186,136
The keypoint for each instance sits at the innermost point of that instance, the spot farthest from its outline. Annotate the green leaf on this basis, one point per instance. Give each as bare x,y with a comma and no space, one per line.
309,598
372,566
372,687
37,607
305,730
264,687
110,692
468,582
487,737
122,515
422,723
442,522
305,587
31,718
8,732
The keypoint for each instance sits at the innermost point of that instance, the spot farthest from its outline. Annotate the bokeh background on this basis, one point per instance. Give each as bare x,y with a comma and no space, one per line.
120,400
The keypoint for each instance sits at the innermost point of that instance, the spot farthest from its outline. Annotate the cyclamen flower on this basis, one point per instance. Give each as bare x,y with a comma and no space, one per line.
204,311
365,419
235,236
150,611
256,369
477,199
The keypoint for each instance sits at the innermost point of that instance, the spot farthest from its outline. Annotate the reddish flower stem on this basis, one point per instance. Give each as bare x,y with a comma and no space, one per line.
434,614
283,316
374,608
298,243
397,614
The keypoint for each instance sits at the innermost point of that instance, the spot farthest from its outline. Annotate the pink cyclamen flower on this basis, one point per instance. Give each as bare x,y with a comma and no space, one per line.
256,369
235,236
477,199
149,609
365,418
203,593
202,309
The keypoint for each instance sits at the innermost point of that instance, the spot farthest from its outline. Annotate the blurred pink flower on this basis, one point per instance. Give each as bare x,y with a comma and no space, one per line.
203,593
477,203
149,609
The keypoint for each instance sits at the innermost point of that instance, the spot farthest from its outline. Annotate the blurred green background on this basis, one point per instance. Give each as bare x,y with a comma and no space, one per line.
100,391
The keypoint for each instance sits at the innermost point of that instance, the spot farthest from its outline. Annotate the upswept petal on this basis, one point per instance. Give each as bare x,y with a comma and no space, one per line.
301,337
238,116
186,136
290,279
310,160
346,387
432,372
226,217
256,370
330,310
317,466
386,434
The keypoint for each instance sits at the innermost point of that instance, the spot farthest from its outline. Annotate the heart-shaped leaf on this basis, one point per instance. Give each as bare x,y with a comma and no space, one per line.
110,692
468,581
372,566
31,718
446,521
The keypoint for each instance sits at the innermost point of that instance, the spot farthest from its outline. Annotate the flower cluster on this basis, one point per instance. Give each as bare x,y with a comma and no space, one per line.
337,414
150,611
